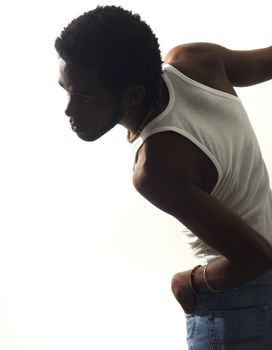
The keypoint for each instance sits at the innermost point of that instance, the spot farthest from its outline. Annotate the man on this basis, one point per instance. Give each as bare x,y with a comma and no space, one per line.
196,155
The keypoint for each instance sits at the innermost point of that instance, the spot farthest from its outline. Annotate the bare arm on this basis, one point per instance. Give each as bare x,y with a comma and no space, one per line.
246,68
242,67
170,185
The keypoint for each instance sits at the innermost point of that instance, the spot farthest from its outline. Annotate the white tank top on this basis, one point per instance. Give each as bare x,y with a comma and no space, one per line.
218,124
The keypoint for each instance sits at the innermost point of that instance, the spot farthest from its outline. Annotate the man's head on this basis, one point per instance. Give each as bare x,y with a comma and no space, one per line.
112,49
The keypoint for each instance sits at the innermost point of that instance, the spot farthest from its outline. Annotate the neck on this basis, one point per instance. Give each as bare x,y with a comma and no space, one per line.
139,118
132,137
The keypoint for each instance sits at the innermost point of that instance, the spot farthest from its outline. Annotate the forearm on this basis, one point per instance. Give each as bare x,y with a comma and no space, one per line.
222,274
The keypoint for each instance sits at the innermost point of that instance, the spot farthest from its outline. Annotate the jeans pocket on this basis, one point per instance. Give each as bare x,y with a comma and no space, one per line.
238,329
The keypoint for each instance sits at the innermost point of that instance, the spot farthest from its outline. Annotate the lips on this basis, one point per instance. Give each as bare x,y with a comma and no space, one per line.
77,127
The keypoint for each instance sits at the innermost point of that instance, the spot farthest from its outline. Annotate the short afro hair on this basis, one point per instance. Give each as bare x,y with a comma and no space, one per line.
117,44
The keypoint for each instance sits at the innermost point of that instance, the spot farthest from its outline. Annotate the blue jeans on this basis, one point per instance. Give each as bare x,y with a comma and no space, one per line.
234,319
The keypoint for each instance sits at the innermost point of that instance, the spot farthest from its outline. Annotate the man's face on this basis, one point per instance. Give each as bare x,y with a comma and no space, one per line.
92,108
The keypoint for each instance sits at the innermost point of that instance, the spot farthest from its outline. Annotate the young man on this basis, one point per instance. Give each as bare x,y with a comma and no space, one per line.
196,158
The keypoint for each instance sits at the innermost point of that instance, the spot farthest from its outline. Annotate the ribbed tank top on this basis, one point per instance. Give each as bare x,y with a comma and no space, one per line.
218,124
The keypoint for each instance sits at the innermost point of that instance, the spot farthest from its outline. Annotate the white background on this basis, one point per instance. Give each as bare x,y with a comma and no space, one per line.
85,262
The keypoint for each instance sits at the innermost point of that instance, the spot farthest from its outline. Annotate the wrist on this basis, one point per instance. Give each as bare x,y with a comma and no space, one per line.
222,274
200,283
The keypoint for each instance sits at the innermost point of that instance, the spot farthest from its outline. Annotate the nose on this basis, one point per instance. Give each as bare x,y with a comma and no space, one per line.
70,110
67,112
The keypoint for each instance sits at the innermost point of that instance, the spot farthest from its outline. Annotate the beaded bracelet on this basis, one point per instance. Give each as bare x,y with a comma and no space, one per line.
192,280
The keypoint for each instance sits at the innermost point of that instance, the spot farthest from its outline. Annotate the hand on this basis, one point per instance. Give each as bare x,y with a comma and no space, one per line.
183,291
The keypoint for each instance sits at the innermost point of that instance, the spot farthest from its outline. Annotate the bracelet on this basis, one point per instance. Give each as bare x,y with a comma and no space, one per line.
206,281
192,280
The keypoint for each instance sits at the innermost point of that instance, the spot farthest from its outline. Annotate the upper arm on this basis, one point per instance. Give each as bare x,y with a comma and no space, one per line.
247,67
241,67
176,193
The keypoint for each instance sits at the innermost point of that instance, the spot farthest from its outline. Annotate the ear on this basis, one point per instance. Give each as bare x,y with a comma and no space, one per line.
133,95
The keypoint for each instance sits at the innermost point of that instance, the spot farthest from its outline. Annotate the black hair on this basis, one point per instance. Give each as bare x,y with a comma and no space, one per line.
118,44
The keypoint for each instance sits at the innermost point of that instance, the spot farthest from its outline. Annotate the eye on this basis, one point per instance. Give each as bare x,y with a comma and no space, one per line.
86,99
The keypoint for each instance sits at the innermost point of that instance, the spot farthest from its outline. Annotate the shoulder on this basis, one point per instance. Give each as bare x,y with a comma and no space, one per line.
203,62
207,53
161,173
198,60
167,163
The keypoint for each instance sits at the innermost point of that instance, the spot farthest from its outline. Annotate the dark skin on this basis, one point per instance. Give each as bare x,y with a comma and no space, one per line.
170,171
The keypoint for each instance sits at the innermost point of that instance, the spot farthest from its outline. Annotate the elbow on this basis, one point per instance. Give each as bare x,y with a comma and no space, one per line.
259,257
267,257
264,263
269,263
258,262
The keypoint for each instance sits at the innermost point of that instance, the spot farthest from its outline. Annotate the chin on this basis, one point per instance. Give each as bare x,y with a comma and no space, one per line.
93,135
89,137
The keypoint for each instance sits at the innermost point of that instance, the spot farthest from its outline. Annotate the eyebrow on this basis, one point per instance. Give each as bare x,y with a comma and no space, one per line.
81,93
